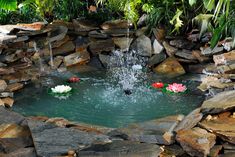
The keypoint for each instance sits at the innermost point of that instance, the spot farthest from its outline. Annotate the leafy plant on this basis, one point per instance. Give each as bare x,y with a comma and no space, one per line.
8,4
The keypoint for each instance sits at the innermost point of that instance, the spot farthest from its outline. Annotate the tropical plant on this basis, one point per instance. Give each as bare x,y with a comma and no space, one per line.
8,4
129,8
43,7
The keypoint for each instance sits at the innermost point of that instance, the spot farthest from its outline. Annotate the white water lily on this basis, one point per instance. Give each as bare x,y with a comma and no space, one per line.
60,89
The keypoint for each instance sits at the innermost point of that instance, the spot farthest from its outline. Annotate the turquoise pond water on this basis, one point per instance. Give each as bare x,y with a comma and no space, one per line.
100,100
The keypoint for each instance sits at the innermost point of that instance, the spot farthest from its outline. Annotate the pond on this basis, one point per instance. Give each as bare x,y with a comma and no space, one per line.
99,100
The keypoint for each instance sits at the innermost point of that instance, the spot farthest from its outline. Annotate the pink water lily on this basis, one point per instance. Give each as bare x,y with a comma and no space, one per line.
176,88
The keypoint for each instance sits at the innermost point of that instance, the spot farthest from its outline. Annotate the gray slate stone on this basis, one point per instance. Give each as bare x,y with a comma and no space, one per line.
156,59
50,140
190,120
159,131
209,52
7,116
219,103
122,149
142,45
23,152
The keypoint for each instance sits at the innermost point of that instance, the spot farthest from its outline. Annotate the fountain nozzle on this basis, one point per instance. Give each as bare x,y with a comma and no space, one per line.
127,91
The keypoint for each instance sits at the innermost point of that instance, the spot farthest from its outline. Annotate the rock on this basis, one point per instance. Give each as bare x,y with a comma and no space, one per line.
12,144
170,50
219,103
210,81
7,29
77,58
8,101
157,47
156,59
209,52
69,25
115,24
159,33
6,94
170,67
141,31
186,54
198,55
123,43
105,60
5,39
13,131
226,69
223,126
23,152
57,61
190,121
172,151
50,140
225,59
58,33
121,149
59,43
102,45
2,64
118,32
142,20
98,35
82,27
14,87
61,122
3,85
65,48
6,71
35,25
2,103
182,44
81,43
196,142
142,46
159,131
228,147
7,117
214,152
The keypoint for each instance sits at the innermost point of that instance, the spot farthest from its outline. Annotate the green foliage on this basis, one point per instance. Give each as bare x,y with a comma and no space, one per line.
69,9
8,4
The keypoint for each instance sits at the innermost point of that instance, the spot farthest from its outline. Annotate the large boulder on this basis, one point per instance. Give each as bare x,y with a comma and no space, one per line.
196,142
50,140
219,103
121,149
142,45
123,43
222,125
159,131
170,67
63,49
190,121
7,117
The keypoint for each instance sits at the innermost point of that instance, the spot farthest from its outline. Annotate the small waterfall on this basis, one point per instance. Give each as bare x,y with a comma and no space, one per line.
37,50
51,54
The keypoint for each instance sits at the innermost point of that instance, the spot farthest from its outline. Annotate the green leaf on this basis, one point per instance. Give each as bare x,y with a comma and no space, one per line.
192,2
8,4
209,4
217,34
176,21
